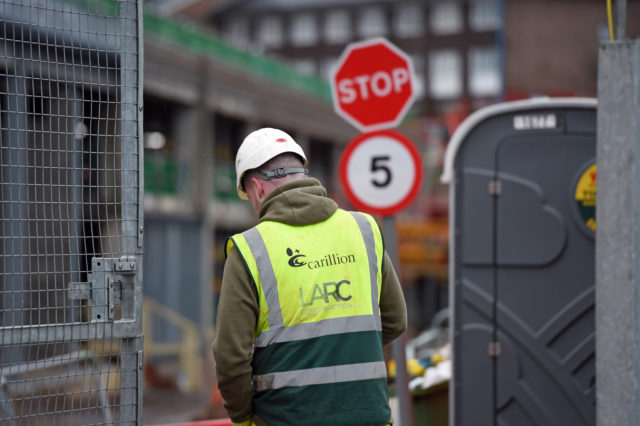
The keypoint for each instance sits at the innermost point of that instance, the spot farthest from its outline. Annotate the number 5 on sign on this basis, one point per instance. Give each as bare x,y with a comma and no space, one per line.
381,172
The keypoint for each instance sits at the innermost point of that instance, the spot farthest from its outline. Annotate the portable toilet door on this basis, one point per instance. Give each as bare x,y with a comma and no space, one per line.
522,181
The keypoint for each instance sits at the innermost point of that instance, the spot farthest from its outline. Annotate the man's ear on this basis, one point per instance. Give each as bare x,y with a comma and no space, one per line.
257,188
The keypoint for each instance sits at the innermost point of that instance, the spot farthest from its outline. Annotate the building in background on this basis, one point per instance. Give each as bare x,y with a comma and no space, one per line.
455,46
470,51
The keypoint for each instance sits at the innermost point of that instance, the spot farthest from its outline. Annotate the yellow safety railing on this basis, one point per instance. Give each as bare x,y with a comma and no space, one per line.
187,350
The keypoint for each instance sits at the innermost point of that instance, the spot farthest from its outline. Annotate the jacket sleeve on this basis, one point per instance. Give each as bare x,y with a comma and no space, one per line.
232,347
393,310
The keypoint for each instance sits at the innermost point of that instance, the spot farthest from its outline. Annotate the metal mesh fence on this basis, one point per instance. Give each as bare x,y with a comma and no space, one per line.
70,214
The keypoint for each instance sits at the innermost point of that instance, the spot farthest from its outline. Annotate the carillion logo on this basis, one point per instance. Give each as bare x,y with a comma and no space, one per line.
323,262
294,260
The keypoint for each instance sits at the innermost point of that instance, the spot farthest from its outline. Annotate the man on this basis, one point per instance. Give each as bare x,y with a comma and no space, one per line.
309,298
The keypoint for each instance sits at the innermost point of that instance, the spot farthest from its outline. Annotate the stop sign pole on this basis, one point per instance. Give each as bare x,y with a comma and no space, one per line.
398,346
372,88
381,172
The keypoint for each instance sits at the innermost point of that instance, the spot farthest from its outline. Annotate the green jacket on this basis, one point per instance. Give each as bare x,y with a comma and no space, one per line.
301,202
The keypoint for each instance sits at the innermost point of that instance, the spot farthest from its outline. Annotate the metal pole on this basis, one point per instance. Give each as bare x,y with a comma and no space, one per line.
131,209
618,236
15,209
405,404
202,148
621,20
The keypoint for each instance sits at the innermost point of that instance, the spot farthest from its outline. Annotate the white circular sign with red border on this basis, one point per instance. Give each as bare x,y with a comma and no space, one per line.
381,172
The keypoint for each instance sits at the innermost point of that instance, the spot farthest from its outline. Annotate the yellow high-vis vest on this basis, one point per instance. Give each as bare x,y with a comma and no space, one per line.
318,339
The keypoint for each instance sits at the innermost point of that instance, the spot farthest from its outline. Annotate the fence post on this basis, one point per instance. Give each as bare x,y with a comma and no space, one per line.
618,236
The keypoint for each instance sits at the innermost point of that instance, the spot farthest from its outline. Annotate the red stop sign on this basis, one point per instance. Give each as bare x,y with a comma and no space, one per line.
372,85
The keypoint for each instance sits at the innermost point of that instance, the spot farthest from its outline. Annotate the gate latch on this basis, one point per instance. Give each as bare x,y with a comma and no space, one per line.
110,290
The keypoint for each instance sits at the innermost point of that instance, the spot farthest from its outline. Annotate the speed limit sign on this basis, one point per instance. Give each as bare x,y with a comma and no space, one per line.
381,172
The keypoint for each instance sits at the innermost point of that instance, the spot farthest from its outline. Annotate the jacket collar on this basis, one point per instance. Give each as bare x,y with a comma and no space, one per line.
300,202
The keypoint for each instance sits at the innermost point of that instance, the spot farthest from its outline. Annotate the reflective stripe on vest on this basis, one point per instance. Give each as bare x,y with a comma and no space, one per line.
267,276
277,333
321,375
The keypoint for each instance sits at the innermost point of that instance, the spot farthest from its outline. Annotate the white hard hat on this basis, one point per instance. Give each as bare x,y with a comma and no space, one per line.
258,148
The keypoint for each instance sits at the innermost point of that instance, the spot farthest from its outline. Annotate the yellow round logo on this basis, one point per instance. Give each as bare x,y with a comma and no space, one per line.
586,197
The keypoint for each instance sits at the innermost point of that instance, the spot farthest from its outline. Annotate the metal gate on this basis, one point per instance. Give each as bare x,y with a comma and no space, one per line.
70,212
523,264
